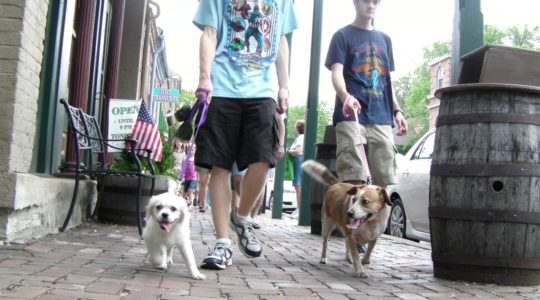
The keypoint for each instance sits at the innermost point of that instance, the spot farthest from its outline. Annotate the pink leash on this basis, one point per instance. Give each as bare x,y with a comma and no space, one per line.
363,155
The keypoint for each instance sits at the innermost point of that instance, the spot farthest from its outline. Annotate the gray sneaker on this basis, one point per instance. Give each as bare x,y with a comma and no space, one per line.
247,240
219,258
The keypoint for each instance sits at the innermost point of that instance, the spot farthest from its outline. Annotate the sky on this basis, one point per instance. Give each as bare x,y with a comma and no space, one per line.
412,25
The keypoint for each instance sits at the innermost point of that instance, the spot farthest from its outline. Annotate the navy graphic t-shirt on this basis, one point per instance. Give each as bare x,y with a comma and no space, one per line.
367,59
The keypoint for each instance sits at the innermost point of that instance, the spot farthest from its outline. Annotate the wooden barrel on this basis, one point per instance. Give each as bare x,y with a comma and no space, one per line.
484,199
117,204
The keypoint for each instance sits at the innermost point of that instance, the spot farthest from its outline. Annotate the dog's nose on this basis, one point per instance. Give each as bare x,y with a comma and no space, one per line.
165,215
350,214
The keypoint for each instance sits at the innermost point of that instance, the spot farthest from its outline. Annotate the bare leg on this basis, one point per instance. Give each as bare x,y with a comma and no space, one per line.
204,178
298,190
252,185
237,181
220,197
257,205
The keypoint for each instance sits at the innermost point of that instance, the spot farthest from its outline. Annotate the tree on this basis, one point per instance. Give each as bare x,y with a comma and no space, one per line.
526,38
413,88
493,35
412,91
187,97
299,113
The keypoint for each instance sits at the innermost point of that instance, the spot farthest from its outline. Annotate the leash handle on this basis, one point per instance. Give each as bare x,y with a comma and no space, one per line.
200,106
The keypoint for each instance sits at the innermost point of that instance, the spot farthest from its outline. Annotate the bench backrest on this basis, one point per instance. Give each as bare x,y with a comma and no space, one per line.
92,130
87,134
77,125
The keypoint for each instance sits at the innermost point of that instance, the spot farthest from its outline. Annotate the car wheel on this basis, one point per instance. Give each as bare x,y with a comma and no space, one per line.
270,201
396,222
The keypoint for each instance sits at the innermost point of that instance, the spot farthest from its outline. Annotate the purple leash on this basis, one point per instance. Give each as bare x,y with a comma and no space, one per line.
200,106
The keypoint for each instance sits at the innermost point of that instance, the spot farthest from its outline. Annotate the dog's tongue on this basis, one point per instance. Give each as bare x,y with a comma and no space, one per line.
357,223
166,226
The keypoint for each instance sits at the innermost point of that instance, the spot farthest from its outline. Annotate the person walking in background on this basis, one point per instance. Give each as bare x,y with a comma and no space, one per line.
361,59
241,85
236,185
179,156
204,179
190,179
280,153
297,152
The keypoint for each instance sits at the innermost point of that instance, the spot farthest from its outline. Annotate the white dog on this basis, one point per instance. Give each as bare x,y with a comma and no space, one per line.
167,226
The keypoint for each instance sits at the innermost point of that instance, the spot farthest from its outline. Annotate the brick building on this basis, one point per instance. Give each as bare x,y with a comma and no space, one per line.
441,76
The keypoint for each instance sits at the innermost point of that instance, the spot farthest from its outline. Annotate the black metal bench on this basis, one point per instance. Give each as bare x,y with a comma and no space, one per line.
88,139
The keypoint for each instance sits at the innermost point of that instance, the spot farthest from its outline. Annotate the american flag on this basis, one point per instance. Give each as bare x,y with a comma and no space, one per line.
146,133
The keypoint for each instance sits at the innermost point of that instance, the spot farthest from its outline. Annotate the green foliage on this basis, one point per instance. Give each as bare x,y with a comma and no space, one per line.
324,118
412,91
493,35
515,36
525,38
187,97
165,167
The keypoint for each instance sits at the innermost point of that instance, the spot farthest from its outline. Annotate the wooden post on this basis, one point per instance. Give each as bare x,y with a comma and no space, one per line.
468,32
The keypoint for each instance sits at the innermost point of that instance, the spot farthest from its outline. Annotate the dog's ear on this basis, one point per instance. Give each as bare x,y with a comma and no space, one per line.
183,212
149,208
384,195
353,190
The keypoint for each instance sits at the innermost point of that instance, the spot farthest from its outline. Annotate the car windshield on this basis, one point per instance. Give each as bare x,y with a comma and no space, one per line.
425,150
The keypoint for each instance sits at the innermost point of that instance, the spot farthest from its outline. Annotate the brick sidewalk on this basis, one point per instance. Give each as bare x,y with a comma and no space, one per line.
103,261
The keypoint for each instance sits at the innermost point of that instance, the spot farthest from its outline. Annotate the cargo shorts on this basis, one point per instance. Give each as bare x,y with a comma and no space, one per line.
378,142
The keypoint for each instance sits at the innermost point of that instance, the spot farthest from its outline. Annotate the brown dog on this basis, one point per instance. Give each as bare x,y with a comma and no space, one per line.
359,211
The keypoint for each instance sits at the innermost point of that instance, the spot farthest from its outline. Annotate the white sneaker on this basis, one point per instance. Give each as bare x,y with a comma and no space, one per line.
247,240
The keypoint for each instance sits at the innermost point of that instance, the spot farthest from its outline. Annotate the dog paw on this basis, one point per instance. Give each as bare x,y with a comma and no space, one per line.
324,260
362,275
198,276
162,267
365,261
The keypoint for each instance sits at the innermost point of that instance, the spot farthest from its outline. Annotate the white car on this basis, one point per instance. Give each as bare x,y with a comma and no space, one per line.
289,195
409,217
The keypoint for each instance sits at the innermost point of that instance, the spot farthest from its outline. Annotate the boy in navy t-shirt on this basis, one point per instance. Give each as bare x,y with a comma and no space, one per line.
361,60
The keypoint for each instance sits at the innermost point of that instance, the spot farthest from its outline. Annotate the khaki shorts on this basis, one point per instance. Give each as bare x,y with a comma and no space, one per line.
380,150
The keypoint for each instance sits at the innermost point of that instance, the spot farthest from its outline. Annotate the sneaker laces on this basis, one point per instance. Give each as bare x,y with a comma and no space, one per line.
219,249
249,234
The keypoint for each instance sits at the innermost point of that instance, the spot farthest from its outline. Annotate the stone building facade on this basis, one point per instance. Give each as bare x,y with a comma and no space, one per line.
52,49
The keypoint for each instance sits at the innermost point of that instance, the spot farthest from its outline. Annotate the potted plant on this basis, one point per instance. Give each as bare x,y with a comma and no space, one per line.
117,202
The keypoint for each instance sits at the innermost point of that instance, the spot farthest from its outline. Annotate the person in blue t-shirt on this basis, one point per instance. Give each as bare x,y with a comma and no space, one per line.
365,109
361,60
241,84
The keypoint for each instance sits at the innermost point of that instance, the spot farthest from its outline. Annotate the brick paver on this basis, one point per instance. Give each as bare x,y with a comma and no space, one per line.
107,261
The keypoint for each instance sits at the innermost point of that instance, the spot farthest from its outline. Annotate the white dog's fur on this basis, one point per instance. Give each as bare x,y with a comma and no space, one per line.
167,226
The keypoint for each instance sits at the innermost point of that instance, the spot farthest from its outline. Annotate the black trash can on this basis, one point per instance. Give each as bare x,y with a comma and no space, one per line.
326,155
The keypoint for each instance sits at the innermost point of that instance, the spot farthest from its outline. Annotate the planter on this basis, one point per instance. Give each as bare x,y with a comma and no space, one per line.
117,202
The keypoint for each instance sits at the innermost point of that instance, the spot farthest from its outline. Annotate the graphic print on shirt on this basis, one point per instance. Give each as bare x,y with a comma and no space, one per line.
251,32
370,68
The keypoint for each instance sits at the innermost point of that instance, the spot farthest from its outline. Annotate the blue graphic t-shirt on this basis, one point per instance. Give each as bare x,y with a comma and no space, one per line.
367,59
248,35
